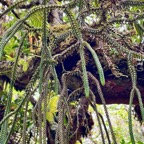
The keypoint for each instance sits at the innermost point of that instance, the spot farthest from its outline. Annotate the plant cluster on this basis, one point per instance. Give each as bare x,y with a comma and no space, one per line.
60,51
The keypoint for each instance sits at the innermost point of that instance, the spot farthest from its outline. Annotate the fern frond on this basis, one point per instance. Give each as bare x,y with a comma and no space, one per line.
84,72
35,19
18,24
97,62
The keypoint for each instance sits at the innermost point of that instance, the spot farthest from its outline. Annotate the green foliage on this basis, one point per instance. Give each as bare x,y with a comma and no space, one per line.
51,106
24,64
12,7
13,78
86,28
35,19
118,114
139,30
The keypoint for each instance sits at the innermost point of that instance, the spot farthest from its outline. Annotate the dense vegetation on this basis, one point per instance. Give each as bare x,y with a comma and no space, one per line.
58,58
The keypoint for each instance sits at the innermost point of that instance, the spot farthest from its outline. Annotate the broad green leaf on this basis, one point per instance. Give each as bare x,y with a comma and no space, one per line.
53,104
50,116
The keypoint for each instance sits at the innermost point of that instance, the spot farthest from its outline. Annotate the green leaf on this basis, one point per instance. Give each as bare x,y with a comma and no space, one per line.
51,106
139,30
24,63
9,58
122,141
50,116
